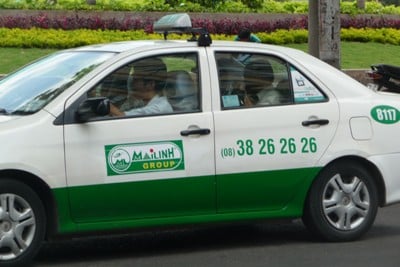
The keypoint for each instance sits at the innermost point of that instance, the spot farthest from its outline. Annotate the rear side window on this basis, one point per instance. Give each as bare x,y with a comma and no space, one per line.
304,90
254,80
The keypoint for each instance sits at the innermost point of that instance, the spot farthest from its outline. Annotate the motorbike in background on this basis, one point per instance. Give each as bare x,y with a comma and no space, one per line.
384,78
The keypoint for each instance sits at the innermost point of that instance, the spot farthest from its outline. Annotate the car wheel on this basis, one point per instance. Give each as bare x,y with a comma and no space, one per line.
342,202
22,223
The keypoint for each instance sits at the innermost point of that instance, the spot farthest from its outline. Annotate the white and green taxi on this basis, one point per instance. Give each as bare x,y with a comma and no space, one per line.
252,131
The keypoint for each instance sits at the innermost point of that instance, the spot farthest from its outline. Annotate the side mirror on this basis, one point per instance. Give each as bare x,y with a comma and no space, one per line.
93,107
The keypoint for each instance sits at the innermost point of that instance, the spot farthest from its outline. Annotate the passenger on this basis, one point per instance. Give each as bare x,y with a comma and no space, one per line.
258,79
148,81
245,35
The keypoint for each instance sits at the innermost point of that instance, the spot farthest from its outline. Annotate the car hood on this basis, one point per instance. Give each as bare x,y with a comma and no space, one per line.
4,118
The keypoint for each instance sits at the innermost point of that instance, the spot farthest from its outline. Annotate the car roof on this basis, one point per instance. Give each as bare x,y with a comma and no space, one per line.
119,47
123,46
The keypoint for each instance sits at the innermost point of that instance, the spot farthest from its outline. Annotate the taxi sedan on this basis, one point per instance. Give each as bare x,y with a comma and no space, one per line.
159,133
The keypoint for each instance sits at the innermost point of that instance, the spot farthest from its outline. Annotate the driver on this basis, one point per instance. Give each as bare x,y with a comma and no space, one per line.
148,81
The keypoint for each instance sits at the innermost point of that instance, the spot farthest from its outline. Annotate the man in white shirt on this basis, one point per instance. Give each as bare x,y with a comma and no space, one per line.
148,81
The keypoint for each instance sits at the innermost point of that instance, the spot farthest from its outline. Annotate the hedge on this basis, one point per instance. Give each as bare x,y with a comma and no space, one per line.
59,39
231,6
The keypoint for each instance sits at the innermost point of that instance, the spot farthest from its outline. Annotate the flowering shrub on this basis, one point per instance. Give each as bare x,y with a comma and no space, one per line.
223,26
231,26
370,22
74,22
219,26
234,6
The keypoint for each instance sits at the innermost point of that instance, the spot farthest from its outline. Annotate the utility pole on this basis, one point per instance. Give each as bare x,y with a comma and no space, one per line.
324,30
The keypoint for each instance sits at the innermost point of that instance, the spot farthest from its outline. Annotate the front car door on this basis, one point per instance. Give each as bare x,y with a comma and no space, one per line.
144,166
267,142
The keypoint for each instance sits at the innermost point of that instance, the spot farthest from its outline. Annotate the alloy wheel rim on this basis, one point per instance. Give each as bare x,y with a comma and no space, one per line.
17,226
346,202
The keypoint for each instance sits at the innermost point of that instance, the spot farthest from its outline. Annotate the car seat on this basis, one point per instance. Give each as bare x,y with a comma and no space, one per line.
181,91
284,88
259,78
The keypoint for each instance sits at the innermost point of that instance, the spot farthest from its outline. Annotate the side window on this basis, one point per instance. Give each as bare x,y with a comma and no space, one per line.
304,90
163,84
248,80
114,87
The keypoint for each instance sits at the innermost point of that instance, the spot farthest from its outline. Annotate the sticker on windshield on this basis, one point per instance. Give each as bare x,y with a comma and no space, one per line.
144,157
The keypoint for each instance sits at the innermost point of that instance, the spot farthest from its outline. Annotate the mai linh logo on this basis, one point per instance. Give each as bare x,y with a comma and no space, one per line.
144,157
120,160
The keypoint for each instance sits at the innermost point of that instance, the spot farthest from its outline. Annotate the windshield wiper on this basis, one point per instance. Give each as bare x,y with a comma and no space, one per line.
21,112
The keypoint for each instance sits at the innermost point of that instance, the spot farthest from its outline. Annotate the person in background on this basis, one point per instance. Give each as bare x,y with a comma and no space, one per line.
245,35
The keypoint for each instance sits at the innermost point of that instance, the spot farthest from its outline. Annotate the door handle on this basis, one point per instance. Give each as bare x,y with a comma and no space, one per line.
201,131
315,122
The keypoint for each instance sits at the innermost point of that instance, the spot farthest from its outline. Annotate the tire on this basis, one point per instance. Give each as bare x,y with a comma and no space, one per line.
22,223
342,203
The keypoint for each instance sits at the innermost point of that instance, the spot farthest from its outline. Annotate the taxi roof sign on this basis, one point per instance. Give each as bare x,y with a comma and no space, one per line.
181,23
173,23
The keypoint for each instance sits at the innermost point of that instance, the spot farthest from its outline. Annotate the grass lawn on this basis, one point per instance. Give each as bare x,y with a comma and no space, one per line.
13,58
362,55
354,55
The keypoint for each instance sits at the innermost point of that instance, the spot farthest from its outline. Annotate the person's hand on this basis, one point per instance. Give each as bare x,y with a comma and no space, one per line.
114,111
249,101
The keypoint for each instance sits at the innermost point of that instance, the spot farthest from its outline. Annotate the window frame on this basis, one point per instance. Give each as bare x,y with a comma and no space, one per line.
184,54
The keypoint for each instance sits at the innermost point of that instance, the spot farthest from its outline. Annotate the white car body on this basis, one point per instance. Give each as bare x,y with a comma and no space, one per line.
252,163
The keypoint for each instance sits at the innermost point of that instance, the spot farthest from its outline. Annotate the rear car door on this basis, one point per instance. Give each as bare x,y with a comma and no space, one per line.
266,153
144,166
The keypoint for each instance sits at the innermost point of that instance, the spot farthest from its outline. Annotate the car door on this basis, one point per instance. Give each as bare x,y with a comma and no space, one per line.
143,166
266,154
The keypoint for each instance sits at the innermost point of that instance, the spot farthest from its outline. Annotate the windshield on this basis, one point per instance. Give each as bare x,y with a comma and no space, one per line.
29,89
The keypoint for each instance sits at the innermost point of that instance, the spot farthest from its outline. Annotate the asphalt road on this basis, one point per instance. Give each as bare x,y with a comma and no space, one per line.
245,245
